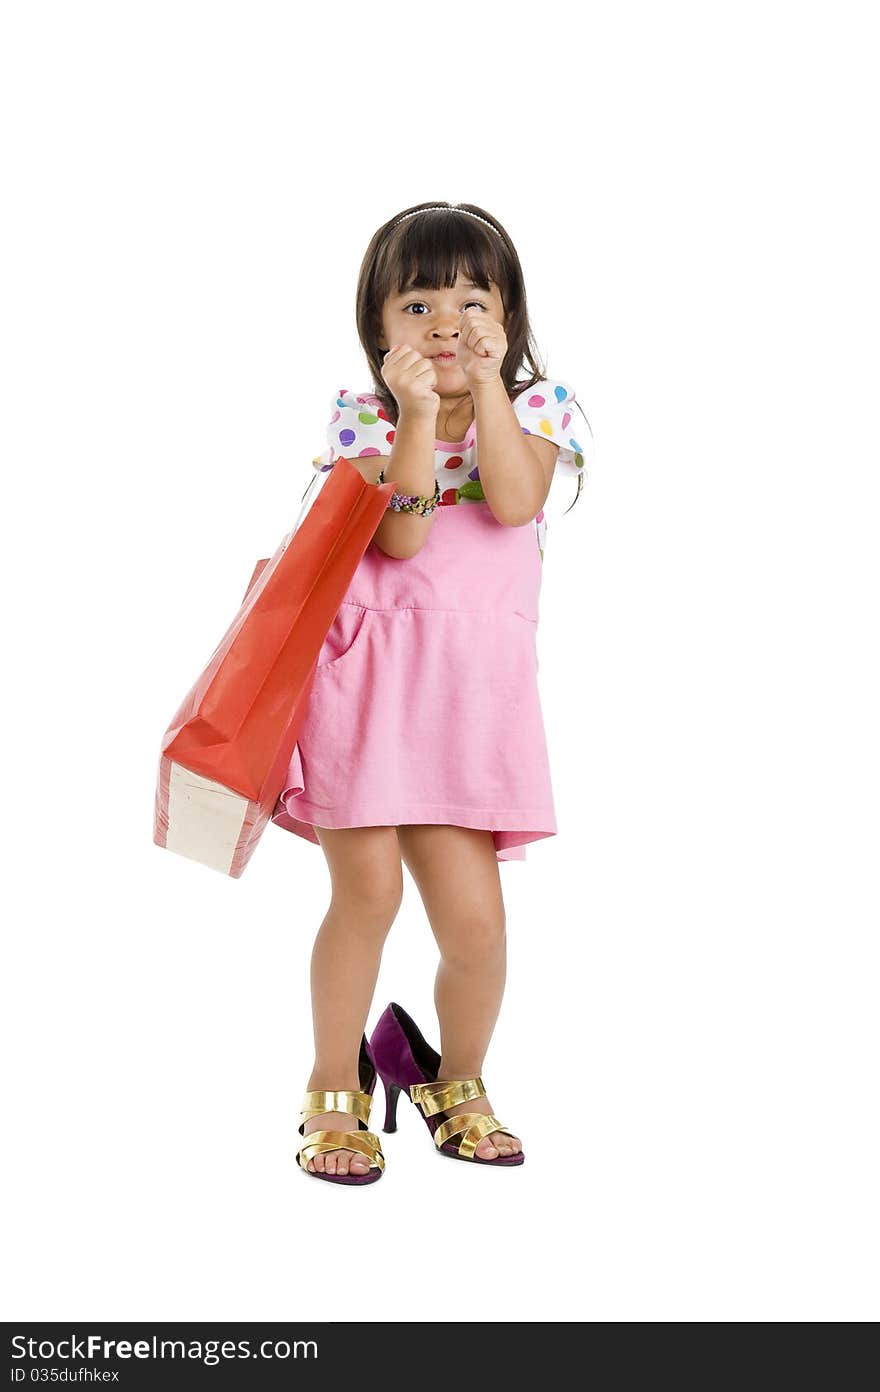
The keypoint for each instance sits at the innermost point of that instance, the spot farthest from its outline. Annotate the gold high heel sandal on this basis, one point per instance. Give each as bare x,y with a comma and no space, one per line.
363,1141
466,1128
407,1063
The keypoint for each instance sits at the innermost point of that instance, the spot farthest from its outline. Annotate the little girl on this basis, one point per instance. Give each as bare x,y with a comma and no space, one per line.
423,741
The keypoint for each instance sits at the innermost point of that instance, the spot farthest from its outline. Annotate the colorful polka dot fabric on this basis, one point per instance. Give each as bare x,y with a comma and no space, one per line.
359,427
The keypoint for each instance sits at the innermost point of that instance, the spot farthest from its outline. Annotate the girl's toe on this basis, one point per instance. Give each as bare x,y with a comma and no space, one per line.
359,1165
318,1163
486,1149
342,1162
330,1164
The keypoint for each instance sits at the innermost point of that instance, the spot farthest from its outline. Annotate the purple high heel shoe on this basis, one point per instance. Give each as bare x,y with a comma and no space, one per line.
407,1063
363,1140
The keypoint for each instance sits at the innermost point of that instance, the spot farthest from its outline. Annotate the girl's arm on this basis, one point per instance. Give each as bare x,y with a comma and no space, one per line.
515,470
410,466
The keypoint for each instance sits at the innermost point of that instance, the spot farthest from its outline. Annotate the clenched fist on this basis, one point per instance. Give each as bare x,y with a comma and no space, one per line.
411,379
482,347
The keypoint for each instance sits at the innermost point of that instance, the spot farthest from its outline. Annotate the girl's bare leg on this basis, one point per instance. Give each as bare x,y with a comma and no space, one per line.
367,883
466,913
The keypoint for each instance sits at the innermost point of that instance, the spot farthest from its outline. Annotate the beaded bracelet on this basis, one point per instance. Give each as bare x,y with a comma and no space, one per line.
413,502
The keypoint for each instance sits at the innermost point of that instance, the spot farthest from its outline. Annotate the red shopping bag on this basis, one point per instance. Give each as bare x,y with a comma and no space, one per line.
225,755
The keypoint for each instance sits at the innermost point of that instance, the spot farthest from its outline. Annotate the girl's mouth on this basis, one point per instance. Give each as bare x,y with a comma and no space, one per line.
444,357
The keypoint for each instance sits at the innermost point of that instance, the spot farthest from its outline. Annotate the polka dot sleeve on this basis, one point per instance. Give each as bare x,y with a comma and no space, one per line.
548,409
358,426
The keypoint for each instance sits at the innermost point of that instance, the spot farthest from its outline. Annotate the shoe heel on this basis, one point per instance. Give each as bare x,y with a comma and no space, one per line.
392,1093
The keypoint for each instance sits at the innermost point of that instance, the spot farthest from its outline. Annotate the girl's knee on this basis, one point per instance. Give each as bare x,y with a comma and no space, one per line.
475,940
365,873
372,899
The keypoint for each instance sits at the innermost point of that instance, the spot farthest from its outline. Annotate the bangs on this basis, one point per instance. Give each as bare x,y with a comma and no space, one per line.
429,253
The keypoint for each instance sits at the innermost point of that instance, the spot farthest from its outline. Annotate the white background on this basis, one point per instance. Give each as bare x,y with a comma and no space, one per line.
689,1040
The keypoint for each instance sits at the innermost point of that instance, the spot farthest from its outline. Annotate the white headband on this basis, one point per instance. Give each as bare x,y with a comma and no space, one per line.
437,208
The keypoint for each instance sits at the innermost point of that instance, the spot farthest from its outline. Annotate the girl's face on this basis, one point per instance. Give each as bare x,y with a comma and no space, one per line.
429,320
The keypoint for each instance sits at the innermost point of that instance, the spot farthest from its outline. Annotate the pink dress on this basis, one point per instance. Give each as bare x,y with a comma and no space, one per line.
425,704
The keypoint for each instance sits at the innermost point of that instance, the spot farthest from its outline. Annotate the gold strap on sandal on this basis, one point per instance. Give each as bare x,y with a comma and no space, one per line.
475,1126
318,1142
356,1104
434,1098
439,1097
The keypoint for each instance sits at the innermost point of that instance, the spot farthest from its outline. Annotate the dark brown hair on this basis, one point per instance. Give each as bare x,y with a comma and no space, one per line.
427,252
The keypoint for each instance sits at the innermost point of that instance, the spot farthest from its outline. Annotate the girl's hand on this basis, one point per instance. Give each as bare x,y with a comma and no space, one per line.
411,379
481,347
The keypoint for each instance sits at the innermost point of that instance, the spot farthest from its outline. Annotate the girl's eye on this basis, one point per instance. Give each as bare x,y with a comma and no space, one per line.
416,303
